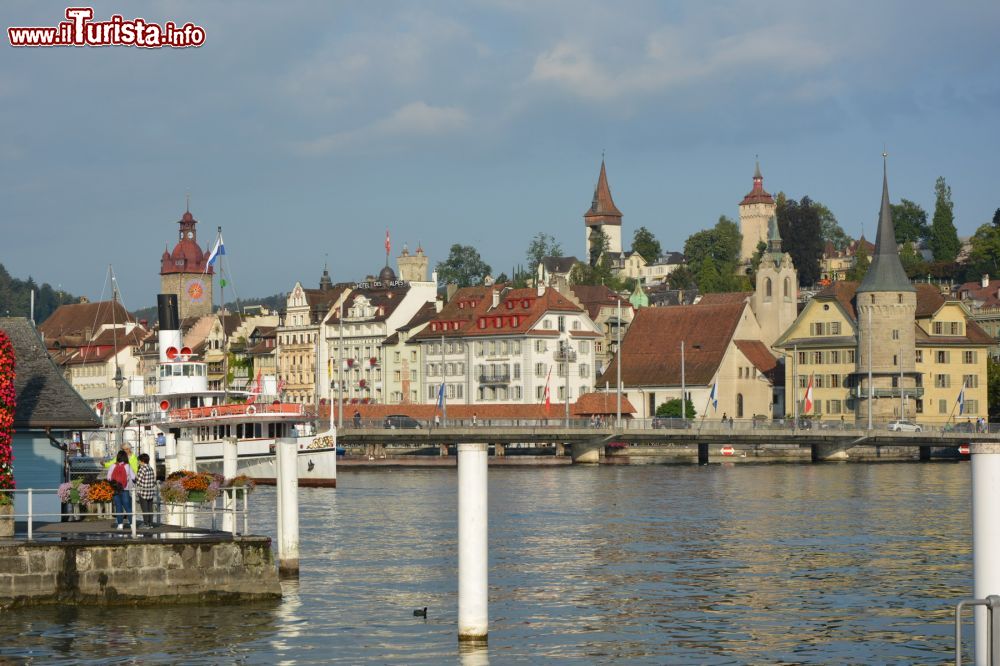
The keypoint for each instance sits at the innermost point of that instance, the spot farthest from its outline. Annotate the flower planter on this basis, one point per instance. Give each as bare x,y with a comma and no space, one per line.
196,496
6,520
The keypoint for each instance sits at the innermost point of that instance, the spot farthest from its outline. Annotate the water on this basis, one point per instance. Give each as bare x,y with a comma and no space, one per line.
769,564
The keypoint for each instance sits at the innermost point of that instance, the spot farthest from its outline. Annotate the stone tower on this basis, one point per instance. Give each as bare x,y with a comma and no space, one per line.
886,304
775,297
183,271
756,210
413,267
603,216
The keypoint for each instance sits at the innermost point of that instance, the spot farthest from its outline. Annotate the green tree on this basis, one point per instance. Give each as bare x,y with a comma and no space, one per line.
721,243
996,218
912,262
861,263
599,244
541,246
672,409
910,221
463,267
602,273
830,228
681,277
801,237
993,387
943,240
984,257
709,280
645,243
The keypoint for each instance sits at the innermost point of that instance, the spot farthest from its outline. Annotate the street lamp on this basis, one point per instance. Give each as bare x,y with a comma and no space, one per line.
119,381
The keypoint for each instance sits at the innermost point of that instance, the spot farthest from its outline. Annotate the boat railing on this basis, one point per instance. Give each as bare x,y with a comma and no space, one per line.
238,410
228,512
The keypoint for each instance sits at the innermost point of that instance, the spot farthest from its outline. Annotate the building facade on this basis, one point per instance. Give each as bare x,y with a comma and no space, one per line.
756,210
186,273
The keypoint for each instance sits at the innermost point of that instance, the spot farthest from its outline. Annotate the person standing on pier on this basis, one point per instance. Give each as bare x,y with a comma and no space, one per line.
145,489
121,476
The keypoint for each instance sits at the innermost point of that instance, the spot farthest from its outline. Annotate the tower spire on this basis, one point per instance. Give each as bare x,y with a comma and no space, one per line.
886,271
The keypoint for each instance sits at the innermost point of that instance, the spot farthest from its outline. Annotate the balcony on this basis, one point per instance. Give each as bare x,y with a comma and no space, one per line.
862,393
565,355
494,379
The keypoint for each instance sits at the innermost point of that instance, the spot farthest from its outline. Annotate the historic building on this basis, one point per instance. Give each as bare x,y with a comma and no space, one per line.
185,271
774,300
919,348
493,345
756,211
602,217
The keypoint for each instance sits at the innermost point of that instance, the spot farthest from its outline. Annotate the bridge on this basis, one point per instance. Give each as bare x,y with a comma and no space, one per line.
588,442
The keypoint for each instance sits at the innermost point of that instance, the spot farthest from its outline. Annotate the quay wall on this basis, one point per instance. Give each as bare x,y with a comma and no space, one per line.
132,573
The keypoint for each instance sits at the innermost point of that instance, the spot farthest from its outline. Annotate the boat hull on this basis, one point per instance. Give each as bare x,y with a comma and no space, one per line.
317,468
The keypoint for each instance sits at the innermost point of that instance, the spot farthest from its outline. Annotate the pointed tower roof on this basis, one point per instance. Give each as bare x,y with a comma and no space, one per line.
602,209
886,271
757,194
774,240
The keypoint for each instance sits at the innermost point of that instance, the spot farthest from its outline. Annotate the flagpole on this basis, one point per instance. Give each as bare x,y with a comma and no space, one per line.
340,364
222,320
795,387
618,355
444,398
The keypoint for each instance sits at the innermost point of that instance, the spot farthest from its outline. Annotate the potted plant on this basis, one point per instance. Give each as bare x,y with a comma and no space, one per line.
8,400
242,484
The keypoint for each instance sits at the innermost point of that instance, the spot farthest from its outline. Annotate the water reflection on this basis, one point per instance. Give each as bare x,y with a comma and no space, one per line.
847,564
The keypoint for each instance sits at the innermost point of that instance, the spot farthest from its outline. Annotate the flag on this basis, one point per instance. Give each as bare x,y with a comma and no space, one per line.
809,396
255,389
547,394
713,397
218,250
441,396
387,241
961,400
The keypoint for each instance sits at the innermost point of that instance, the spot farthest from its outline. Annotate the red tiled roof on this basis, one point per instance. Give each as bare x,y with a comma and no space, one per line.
595,297
602,209
518,312
385,302
651,354
589,404
757,353
725,297
757,194
77,318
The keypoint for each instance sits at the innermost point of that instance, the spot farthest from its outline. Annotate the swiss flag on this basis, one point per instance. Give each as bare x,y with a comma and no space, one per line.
809,395
548,395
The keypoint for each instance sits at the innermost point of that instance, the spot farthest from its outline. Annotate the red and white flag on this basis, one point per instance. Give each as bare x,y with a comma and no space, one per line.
547,394
255,389
809,396
387,246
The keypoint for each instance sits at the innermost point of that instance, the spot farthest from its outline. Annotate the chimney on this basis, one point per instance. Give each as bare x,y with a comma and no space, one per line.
496,298
541,289
986,280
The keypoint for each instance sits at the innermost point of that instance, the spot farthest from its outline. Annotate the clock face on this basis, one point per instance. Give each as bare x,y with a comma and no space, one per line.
195,289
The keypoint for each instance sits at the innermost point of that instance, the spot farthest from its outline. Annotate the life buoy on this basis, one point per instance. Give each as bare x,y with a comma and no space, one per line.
215,412
251,410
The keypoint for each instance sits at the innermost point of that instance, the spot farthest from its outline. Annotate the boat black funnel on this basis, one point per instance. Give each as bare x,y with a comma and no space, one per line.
167,306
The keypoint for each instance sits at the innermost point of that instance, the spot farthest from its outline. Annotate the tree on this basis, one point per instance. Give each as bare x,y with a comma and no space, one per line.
599,244
831,229
463,267
993,387
910,221
600,274
681,277
721,243
755,260
801,237
541,246
943,240
861,263
912,262
672,409
984,257
645,243
709,280
996,218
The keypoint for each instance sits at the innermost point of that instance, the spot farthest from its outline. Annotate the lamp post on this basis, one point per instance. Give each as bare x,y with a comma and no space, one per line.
119,381
618,358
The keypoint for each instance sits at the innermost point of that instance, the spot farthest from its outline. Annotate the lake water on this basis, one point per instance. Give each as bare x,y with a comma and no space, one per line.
734,564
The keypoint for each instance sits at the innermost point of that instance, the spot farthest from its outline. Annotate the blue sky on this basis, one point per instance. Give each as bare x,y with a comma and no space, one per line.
306,129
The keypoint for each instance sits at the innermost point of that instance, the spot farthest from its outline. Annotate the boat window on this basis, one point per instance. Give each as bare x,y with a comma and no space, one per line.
270,430
239,431
176,371
188,370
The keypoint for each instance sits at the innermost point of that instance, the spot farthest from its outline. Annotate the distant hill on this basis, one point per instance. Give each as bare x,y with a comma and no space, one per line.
15,297
275,302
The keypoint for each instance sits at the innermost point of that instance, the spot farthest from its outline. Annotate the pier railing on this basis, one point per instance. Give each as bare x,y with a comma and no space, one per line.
992,604
229,512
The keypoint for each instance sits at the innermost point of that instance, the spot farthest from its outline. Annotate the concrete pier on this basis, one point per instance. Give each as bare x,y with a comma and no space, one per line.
288,507
473,537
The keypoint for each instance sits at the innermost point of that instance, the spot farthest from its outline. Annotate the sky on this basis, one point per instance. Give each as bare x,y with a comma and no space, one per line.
306,129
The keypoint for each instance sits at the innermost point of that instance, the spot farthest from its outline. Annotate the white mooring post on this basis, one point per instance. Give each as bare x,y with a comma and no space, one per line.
473,566
185,455
985,537
229,471
170,455
288,507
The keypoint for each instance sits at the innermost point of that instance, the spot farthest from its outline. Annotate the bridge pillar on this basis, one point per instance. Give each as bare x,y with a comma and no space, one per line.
587,452
829,453
498,450
702,453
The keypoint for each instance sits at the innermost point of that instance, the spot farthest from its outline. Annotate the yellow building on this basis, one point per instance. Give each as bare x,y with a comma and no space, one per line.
950,351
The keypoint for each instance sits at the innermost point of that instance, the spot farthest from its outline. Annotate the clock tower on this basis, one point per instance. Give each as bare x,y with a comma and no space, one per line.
182,271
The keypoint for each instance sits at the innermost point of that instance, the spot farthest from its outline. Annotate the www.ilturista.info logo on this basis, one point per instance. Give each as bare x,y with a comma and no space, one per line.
80,30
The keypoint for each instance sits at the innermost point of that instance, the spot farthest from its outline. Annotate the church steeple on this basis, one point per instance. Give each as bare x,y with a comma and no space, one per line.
774,240
886,270
604,217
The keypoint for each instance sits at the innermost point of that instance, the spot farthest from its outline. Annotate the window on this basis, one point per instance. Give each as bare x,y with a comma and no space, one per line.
834,381
802,358
803,381
834,356
818,381
547,323
540,346
942,406
833,407
968,356
517,371
515,347
955,327
938,328
584,347
850,356
972,406
817,357
942,381
539,392
539,369
943,356
835,328
584,370
895,334
920,356
516,392
971,381
767,289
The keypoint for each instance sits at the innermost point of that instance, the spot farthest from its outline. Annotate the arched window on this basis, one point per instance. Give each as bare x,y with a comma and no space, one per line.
739,405
788,288
767,288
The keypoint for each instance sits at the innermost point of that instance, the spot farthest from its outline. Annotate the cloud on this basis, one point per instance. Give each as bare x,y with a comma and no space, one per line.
414,120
